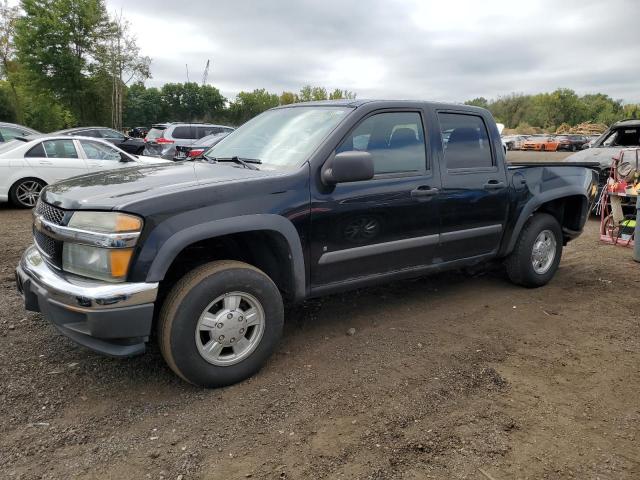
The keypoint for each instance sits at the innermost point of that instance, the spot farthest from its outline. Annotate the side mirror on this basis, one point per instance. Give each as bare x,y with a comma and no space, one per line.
353,166
125,158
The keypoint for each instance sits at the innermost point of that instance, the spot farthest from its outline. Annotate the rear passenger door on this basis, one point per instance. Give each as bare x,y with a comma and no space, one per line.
474,196
56,160
100,156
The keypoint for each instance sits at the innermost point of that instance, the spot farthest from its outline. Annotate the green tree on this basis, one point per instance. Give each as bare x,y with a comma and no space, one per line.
478,102
287,98
249,104
58,43
339,94
8,66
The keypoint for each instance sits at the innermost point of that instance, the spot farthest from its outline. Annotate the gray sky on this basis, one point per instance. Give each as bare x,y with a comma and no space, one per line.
438,50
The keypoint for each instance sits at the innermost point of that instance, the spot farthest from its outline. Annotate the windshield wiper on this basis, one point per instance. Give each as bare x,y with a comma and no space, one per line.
245,162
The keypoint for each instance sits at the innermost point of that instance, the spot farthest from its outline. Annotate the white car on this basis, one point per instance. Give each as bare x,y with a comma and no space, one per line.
28,164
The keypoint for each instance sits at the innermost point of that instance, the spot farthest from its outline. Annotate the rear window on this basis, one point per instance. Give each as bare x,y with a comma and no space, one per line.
203,130
187,132
155,133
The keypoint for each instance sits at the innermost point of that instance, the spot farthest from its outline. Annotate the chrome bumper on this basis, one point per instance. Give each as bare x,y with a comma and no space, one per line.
111,318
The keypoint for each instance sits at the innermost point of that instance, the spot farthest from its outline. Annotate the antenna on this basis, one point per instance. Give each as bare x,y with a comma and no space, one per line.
205,74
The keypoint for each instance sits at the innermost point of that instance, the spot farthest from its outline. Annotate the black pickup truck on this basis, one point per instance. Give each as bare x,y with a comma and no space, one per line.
302,201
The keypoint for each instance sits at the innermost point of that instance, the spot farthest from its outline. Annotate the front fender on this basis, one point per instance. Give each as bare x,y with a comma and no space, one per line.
173,245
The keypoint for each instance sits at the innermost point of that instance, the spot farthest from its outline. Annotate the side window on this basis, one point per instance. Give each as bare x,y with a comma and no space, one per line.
60,149
98,151
465,141
36,152
9,133
110,134
395,140
185,132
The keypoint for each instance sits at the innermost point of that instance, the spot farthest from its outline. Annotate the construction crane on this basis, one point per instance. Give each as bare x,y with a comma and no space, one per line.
205,74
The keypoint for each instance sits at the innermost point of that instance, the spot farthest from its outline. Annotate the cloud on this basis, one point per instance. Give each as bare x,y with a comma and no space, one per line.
452,50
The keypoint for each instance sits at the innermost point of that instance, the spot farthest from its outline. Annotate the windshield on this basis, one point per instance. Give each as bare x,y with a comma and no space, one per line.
282,138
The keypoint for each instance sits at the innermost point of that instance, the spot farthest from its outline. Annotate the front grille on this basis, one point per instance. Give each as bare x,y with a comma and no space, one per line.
51,249
50,213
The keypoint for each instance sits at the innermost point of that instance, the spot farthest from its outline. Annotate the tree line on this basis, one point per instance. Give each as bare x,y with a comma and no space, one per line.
68,62
545,112
190,102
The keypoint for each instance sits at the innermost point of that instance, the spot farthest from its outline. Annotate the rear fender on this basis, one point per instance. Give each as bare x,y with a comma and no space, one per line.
540,199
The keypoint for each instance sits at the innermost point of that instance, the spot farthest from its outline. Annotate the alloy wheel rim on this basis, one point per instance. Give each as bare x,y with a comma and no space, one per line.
544,252
28,192
230,328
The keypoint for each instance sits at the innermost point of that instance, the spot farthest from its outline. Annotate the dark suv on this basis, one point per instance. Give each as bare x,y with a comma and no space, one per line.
163,138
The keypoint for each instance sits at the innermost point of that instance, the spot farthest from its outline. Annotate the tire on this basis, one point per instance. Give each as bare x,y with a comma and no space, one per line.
25,192
522,268
184,338
140,151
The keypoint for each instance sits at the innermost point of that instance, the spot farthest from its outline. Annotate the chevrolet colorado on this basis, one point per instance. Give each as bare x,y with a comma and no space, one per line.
301,201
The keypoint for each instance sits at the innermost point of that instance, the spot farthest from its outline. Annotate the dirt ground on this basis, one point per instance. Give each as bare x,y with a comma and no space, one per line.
453,376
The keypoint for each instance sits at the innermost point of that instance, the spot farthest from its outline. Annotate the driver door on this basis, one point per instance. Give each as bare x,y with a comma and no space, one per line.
384,225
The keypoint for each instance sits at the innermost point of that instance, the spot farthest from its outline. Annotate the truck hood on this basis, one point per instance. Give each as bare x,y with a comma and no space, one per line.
114,188
602,155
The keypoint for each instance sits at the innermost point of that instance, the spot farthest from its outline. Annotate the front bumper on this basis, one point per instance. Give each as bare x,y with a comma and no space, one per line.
110,318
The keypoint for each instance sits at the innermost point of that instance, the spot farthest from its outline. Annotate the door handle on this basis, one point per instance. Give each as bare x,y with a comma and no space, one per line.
493,184
424,191
45,162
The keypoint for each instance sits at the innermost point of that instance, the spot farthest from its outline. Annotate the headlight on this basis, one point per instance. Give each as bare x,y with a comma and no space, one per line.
105,222
86,253
110,264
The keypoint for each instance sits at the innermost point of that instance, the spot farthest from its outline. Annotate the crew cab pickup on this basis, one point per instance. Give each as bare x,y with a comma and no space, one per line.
301,201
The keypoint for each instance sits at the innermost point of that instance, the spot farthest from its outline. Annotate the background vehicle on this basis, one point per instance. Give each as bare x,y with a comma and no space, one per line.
535,142
301,201
138,132
198,147
9,131
126,143
163,138
27,164
620,135
571,143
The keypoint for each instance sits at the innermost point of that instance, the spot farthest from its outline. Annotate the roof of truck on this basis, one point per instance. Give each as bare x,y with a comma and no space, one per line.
357,103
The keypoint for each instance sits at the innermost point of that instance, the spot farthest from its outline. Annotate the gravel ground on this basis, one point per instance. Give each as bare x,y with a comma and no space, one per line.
453,376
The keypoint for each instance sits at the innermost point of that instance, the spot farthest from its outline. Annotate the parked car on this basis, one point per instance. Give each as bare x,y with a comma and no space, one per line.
28,164
138,132
126,143
570,142
199,147
620,135
535,142
301,201
9,131
163,138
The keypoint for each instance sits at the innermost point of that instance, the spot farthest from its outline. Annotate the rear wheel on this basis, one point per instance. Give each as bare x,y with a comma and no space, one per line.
536,256
25,193
220,323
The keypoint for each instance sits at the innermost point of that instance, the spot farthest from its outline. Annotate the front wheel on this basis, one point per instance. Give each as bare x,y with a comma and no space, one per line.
536,255
220,323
